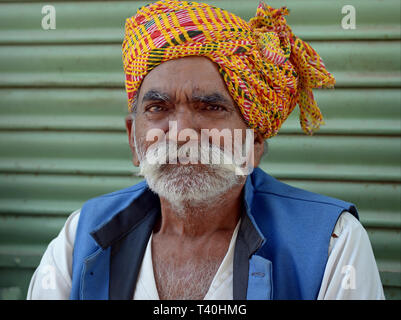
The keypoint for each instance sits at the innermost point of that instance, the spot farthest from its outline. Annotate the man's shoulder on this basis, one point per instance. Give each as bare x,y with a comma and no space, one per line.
129,191
98,210
270,186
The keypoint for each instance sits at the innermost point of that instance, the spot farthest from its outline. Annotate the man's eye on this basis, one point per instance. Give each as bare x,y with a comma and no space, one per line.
155,108
212,107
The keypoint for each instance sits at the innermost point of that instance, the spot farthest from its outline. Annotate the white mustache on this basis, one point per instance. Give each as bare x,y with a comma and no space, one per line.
192,152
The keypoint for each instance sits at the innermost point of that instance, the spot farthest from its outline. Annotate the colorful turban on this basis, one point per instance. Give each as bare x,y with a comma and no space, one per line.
266,68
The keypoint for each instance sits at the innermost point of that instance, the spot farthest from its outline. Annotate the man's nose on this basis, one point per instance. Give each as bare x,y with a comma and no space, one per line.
186,124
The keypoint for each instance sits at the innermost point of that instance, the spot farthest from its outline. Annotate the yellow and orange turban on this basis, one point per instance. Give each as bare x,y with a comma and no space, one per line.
267,69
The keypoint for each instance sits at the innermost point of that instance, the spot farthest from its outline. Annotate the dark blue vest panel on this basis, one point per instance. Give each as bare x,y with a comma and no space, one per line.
95,214
297,226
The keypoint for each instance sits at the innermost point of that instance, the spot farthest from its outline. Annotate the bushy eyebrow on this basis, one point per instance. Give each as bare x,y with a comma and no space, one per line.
214,98
154,95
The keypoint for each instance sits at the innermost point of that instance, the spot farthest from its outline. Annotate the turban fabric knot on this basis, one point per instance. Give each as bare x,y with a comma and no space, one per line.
266,68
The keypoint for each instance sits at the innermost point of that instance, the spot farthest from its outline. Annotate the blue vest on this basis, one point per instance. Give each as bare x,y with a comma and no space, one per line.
280,253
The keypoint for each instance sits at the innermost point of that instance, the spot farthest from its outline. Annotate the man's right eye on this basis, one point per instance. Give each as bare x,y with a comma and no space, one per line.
154,108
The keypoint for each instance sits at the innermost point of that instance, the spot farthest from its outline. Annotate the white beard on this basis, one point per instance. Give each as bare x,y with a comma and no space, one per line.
190,185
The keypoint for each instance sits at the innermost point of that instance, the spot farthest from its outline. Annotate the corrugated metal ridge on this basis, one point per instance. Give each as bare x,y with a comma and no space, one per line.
324,20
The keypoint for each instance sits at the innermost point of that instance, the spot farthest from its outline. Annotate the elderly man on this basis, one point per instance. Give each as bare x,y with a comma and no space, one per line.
201,230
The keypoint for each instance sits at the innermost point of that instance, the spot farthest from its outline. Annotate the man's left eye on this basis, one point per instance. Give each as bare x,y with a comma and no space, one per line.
214,108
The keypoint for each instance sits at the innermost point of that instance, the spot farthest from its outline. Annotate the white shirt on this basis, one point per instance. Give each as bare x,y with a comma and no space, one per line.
221,287
351,271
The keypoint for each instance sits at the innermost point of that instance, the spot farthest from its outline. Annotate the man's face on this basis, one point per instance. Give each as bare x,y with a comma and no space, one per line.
191,93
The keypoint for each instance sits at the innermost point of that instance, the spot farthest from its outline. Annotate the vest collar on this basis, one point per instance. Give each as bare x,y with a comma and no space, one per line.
127,219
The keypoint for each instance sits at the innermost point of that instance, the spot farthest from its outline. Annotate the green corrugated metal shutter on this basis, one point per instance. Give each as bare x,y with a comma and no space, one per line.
62,136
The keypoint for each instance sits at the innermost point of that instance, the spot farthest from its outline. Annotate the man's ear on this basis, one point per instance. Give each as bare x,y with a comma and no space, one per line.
259,146
128,125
